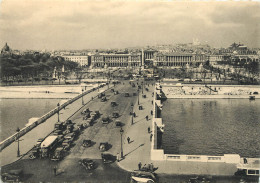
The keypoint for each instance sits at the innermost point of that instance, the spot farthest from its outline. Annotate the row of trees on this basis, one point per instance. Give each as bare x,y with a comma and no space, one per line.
15,67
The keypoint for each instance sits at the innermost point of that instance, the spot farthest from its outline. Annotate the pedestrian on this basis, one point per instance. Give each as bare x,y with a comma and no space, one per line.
139,166
245,161
146,118
152,102
151,167
151,137
128,140
151,112
149,129
54,170
118,157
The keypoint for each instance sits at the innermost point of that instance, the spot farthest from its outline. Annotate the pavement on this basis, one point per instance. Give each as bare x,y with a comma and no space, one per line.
139,149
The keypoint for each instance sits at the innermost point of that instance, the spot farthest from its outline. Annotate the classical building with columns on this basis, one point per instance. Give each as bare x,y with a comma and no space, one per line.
147,58
178,59
116,60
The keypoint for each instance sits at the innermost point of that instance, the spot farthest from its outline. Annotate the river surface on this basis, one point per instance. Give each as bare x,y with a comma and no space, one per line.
211,127
16,113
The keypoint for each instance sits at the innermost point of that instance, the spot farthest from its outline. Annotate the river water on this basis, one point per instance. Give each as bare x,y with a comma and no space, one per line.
16,112
211,127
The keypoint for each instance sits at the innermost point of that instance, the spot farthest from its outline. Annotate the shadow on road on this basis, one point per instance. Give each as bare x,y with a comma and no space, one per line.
134,149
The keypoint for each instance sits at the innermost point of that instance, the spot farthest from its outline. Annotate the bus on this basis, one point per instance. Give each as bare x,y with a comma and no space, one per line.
49,145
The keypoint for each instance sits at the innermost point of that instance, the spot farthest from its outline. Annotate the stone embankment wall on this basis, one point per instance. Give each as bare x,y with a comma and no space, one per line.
158,154
210,91
42,119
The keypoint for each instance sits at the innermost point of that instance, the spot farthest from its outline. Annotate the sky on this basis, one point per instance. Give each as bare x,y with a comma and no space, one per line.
85,24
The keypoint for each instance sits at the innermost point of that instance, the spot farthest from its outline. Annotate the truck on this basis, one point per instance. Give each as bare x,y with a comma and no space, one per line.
58,154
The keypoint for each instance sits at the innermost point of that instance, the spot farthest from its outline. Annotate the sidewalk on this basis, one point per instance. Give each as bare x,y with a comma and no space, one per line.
139,149
9,154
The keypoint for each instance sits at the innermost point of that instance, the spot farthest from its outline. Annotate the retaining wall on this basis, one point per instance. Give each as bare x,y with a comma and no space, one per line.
42,119
158,154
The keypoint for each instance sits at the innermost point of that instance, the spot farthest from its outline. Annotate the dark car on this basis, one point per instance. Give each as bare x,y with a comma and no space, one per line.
105,120
103,146
118,124
127,95
12,175
115,115
108,158
87,163
113,104
87,143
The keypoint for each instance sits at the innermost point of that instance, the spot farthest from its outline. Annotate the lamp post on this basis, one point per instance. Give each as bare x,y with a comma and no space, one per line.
121,133
82,97
18,148
132,122
138,96
142,87
58,112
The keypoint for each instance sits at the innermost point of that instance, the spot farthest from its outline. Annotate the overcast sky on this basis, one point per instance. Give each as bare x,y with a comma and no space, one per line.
79,24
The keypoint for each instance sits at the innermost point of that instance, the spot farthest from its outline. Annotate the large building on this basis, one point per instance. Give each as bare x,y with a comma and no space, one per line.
82,60
116,60
147,58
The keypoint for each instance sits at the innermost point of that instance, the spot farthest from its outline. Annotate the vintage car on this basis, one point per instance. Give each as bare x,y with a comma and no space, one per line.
87,164
140,176
35,152
105,120
58,154
144,96
113,104
108,158
112,90
87,143
66,144
116,92
85,111
127,95
12,175
103,146
97,114
103,99
115,114
118,123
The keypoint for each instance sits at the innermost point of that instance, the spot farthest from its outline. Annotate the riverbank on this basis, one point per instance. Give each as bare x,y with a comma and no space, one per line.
210,91
40,92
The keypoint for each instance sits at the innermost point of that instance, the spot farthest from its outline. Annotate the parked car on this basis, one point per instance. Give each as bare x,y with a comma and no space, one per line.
113,104
127,95
58,154
103,99
103,146
87,143
12,175
35,152
118,123
115,115
108,158
87,164
199,179
140,176
105,120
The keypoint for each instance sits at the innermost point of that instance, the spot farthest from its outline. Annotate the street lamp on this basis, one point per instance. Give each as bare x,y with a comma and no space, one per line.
82,97
138,96
58,112
121,132
18,149
132,122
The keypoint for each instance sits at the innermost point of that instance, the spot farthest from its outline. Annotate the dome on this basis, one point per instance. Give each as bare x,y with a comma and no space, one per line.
6,48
